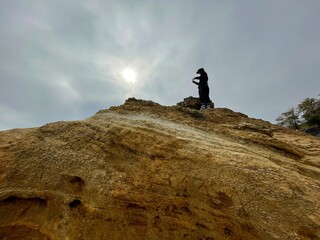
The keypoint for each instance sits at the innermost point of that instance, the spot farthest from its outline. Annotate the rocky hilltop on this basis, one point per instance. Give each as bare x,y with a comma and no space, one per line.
146,171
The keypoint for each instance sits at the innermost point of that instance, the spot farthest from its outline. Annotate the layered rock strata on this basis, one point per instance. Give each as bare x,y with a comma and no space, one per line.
145,171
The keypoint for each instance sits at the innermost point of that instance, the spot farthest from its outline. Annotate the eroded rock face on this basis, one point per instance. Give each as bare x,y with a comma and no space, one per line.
144,171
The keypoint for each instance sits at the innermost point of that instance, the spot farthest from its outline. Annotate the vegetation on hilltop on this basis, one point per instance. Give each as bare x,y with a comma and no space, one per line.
302,117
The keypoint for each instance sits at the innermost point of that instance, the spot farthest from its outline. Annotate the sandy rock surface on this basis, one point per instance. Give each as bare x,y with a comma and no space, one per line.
145,171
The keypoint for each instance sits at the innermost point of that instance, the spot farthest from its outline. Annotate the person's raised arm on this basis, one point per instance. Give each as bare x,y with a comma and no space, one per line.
193,80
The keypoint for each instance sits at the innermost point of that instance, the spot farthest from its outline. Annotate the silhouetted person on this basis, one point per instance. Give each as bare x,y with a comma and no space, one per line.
203,88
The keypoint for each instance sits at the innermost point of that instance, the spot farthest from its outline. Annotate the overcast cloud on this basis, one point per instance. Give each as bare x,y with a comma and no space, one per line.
62,60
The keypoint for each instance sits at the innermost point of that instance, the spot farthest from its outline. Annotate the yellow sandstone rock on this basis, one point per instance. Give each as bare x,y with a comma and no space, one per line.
145,171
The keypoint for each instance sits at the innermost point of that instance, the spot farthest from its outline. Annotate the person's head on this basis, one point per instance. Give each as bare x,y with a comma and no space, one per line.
200,71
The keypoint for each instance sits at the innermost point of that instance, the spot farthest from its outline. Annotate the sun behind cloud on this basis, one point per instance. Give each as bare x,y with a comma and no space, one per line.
129,75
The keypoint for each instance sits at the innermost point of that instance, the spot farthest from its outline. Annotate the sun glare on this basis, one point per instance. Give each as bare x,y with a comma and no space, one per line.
129,75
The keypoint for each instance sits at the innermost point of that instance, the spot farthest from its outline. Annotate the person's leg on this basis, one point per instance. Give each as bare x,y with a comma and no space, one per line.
202,97
207,99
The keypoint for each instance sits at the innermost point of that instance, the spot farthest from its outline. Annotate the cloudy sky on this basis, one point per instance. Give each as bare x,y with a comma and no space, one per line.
63,60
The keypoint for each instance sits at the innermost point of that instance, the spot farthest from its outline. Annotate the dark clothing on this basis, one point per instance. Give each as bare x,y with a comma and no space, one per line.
204,94
203,88
203,80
